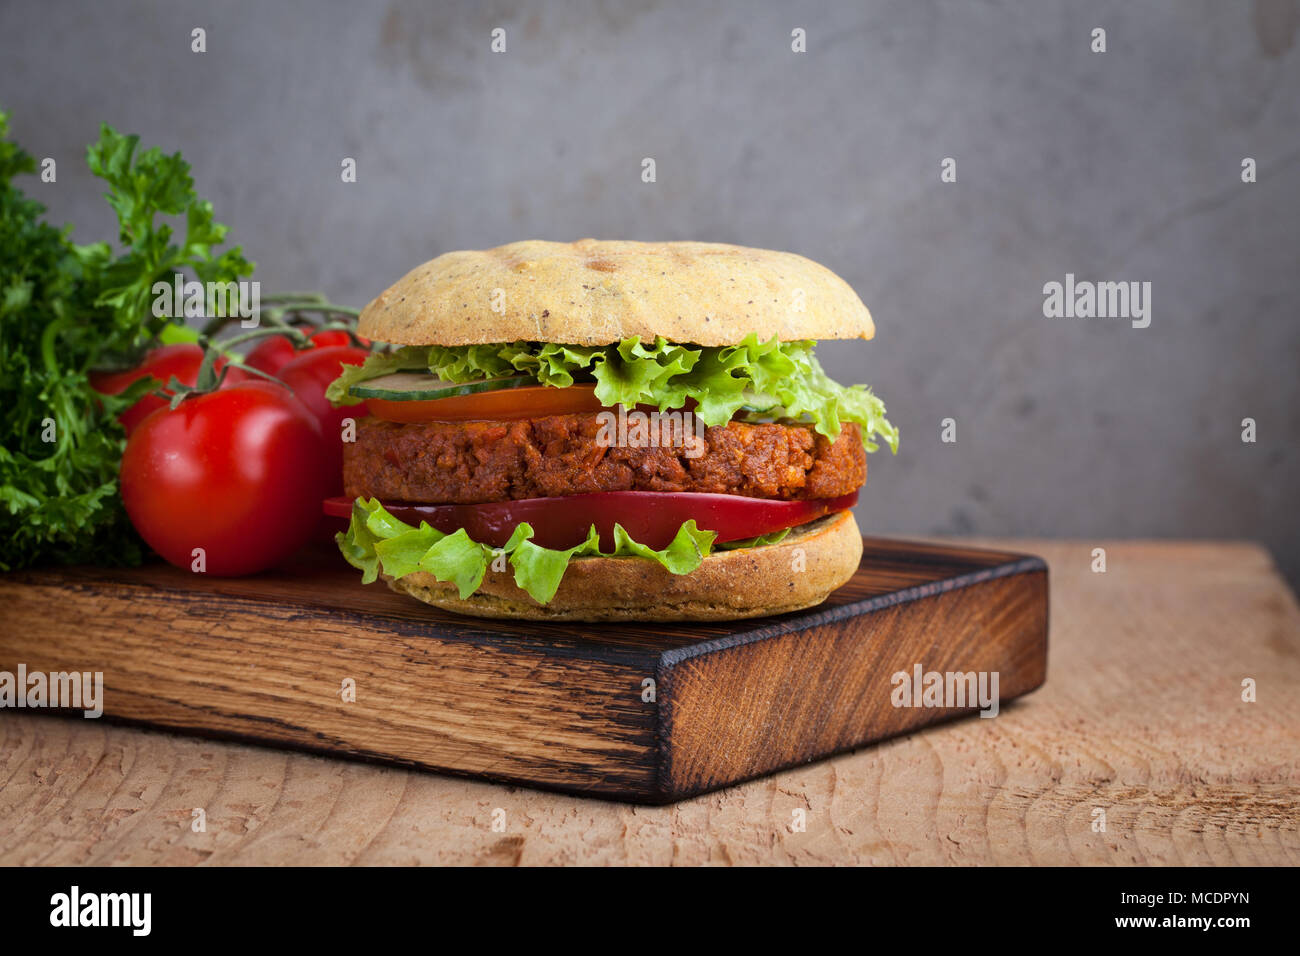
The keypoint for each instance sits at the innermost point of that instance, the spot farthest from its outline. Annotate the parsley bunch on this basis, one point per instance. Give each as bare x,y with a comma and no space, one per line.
68,308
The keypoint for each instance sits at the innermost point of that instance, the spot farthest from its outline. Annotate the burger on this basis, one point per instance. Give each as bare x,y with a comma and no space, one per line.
605,431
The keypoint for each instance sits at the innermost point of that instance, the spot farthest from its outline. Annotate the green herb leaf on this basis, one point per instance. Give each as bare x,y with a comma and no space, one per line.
66,309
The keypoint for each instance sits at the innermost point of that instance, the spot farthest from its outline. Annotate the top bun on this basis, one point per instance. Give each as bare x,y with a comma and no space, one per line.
594,292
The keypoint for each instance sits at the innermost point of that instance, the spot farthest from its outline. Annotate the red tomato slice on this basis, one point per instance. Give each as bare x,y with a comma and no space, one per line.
650,517
524,401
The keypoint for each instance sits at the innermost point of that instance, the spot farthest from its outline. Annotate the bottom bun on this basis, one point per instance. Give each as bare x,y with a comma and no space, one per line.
798,572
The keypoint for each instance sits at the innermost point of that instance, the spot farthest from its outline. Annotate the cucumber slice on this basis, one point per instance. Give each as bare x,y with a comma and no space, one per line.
759,402
422,387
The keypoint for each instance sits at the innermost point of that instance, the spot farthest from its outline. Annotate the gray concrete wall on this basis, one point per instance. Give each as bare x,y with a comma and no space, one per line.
1123,165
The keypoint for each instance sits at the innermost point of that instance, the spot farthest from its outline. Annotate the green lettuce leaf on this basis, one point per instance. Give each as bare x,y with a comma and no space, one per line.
378,363
683,555
357,545
539,570
762,541
783,379
459,559
402,553
375,540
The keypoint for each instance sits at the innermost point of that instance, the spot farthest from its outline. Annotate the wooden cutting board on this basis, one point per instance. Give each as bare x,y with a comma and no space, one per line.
308,657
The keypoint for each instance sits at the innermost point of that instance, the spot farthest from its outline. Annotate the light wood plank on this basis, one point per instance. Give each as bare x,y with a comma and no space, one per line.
1141,715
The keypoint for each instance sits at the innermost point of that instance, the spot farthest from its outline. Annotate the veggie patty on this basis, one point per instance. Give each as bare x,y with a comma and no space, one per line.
472,462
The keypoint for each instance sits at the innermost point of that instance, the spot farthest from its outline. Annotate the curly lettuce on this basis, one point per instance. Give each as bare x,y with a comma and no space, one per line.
376,541
761,541
780,379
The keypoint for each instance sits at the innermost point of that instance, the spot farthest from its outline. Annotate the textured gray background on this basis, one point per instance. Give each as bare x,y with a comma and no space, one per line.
1123,165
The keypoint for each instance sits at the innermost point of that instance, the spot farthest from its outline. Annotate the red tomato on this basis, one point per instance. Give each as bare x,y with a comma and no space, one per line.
525,401
181,360
309,375
650,517
238,472
276,351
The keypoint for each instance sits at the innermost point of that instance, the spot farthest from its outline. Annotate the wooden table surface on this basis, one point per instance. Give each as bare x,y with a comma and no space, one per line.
1142,717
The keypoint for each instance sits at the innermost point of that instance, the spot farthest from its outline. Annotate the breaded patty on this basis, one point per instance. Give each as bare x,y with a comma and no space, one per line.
472,462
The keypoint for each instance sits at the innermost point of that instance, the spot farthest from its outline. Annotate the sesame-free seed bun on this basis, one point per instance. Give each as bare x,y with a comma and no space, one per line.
593,292
746,582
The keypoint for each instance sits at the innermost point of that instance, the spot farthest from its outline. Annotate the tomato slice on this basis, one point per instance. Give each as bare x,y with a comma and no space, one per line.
652,518
529,401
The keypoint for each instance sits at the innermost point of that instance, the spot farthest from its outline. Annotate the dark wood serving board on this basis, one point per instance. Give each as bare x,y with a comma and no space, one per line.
556,705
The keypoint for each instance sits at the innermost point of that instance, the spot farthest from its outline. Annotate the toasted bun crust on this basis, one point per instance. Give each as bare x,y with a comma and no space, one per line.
593,292
748,582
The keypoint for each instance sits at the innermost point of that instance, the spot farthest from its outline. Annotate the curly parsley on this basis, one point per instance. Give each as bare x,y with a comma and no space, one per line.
67,308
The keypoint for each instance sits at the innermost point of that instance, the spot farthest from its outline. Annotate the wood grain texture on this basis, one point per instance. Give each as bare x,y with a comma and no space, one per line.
739,711
557,706
1142,716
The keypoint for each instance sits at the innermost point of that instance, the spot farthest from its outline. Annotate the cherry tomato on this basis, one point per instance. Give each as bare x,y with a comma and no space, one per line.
309,375
181,360
652,518
525,401
238,473
276,351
